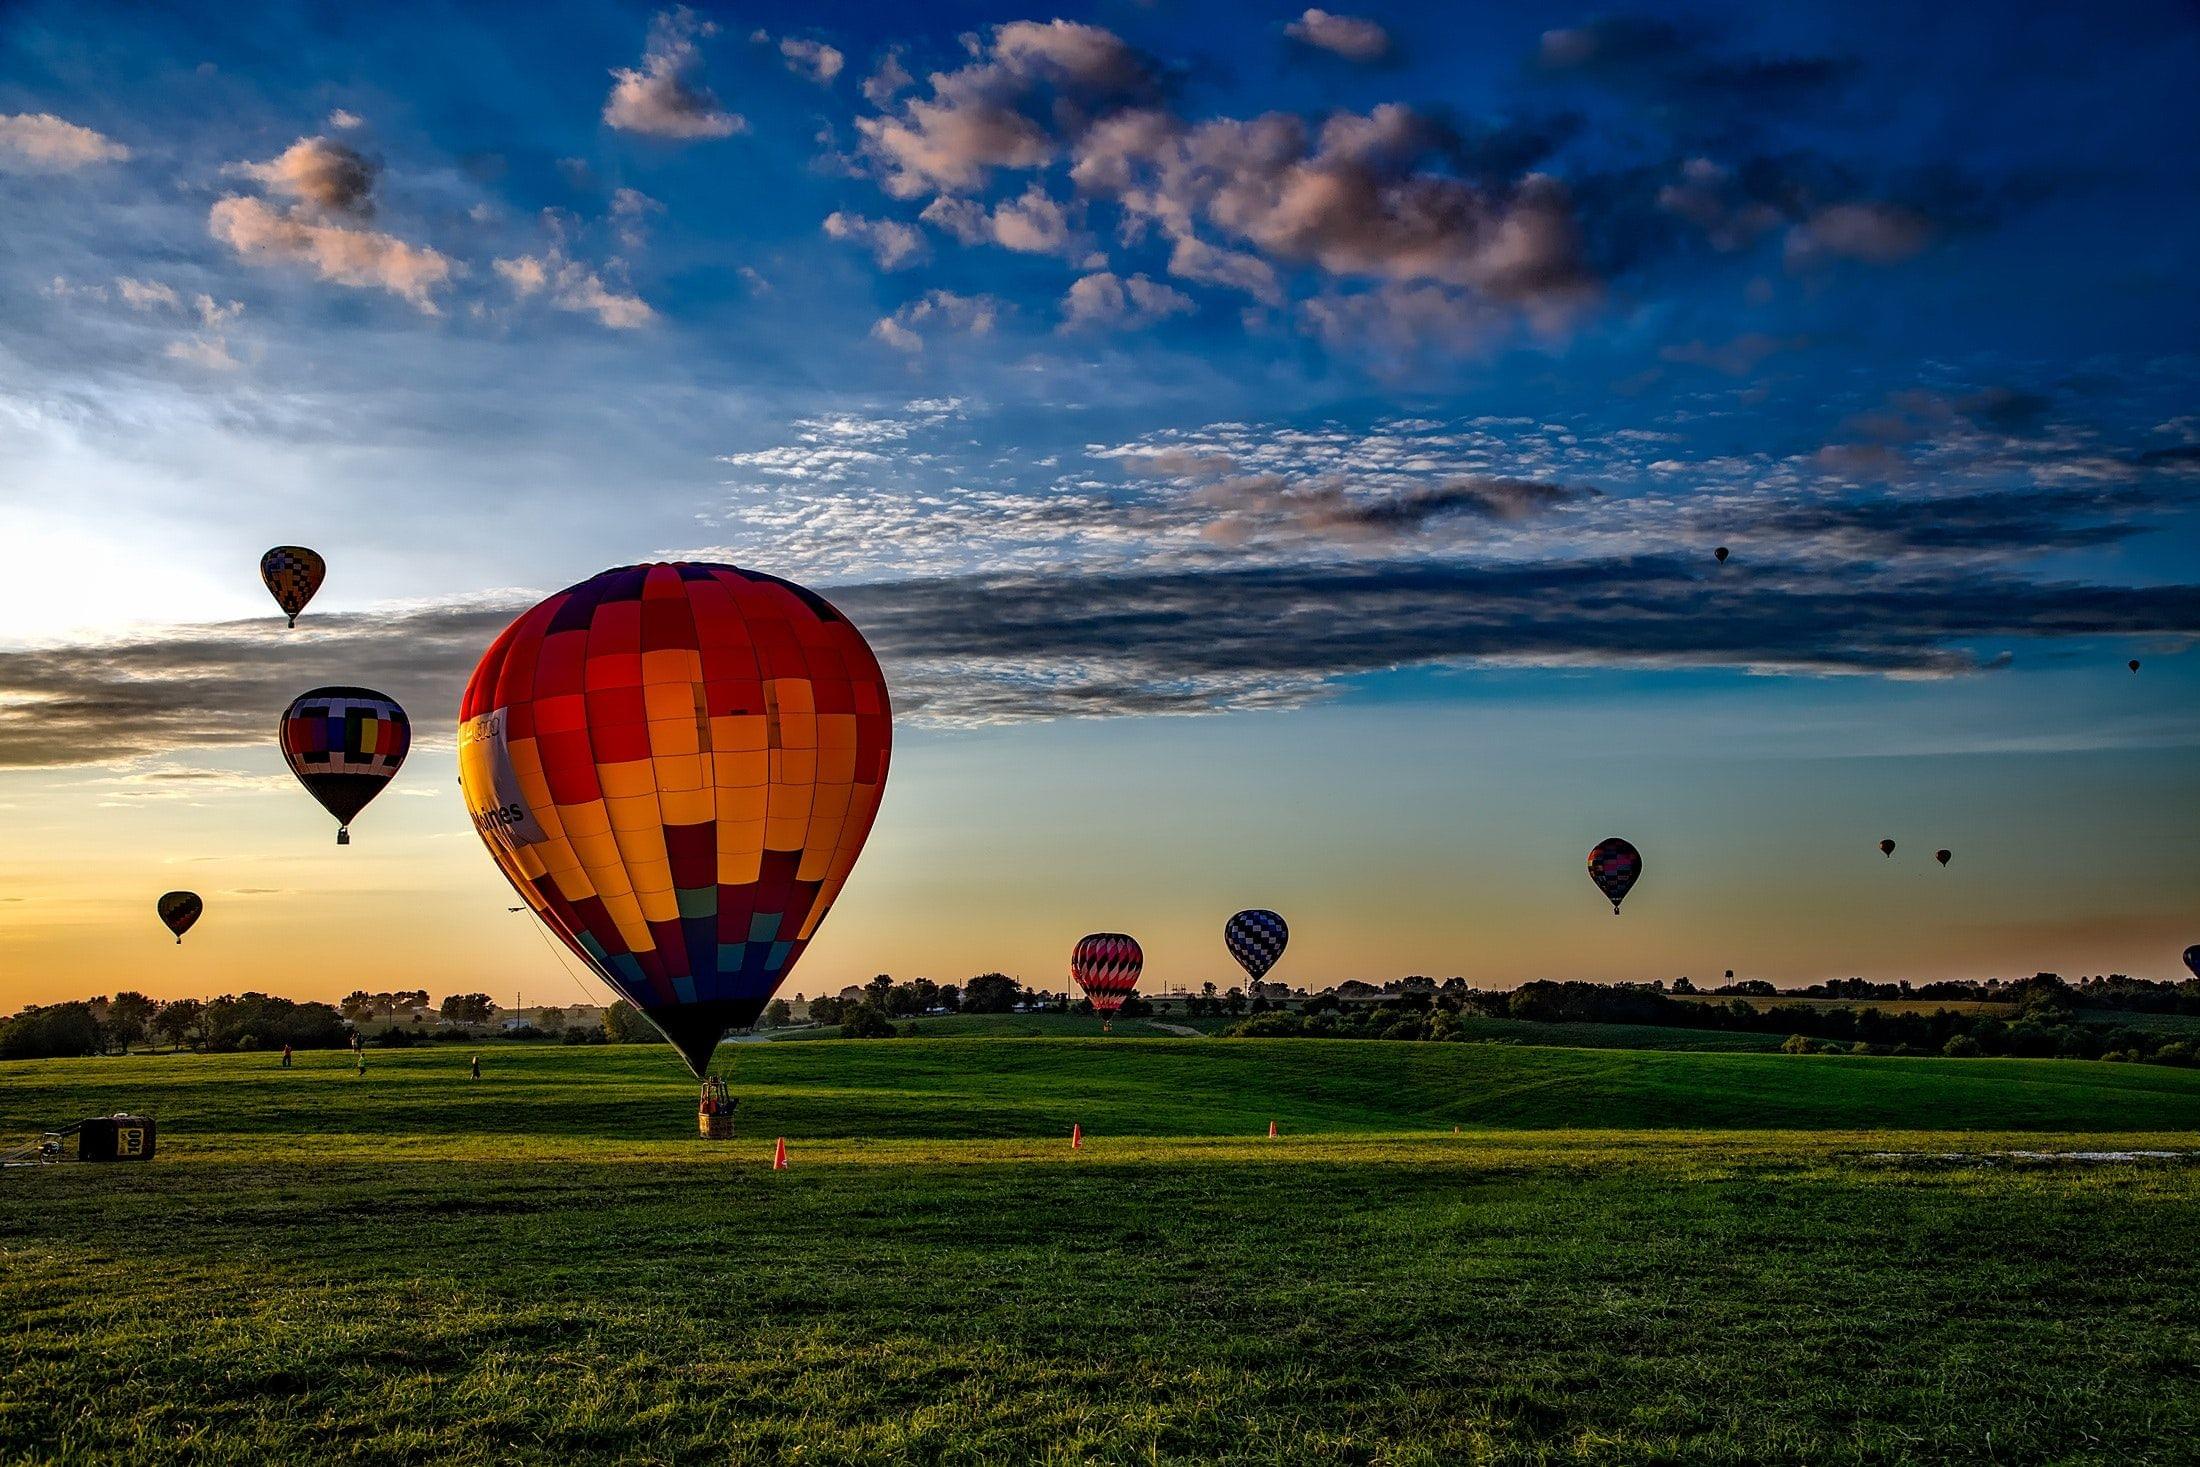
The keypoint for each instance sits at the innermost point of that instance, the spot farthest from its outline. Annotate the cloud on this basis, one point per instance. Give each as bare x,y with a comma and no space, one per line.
892,243
1671,68
664,97
994,648
1395,324
342,254
344,121
39,142
1356,196
1262,506
995,113
1874,233
888,81
211,352
975,315
1349,36
144,295
572,286
1033,223
813,59
1107,299
323,175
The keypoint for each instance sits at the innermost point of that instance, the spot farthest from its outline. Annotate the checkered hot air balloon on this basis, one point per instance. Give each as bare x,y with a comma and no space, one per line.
292,573
178,910
1256,938
1106,965
345,745
676,766
1615,866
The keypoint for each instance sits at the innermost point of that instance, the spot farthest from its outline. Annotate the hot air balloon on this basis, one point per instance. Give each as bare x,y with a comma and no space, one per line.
1720,554
179,909
676,766
1944,857
1256,938
1615,866
1106,965
293,573
1886,848
2133,664
344,744
2192,959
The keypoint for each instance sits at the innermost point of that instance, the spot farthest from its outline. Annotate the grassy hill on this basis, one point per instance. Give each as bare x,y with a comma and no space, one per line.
1622,1256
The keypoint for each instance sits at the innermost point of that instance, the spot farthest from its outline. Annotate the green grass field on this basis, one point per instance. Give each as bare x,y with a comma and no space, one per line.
1474,1026
1622,1256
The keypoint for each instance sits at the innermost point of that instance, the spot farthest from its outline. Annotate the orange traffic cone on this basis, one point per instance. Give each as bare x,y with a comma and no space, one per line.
779,1155
1076,1137
1271,1130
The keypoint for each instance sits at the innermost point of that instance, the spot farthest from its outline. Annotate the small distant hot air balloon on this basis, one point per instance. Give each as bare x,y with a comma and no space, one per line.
1886,848
179,909
344,744
2192,959
1106,965
1256,938
2133,664
1720,554
676,766
1944,857
293,573
1615,866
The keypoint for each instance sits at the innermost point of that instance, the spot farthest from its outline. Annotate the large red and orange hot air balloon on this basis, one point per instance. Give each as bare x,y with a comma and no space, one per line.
676,766
1106,965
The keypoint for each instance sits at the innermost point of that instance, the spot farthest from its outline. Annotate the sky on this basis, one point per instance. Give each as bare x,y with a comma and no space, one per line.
1277,455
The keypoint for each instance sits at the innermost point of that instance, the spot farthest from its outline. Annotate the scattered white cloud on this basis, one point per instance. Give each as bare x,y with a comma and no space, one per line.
974,315
813,59
571,286
664,97
342,254
39,142
892,243
1349,36
1107,299
319,173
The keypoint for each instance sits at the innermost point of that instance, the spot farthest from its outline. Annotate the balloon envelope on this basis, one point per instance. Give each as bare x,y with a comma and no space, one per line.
2133,664
1944,857
2192,959
1106,965
1615,866
1256,938
292,573
179,909
345,745
1886,848
676,767
1720,554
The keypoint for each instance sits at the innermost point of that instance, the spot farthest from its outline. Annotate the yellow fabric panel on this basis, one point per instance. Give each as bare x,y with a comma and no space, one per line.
663,701
836,731
793,769
580,821
626,779
600,855
740,851
743,803
675,735
626,915
658,902
738,733
797,730
791,695
671,665
836,766
635,815
741,771
679,772
686,807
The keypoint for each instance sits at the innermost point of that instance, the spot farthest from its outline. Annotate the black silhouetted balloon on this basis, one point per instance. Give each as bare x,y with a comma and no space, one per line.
1615,866
1720,554
1886,848
2133,664
1944,857
179,909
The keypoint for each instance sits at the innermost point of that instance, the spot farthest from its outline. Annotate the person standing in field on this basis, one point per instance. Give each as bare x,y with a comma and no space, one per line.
362,1053
475,1065
286,1056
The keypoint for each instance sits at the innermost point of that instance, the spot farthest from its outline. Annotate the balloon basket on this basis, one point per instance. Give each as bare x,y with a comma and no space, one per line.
343,836
714,1112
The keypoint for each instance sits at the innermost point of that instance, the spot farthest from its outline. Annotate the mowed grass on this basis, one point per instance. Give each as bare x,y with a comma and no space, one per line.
1621,1256
1171,1026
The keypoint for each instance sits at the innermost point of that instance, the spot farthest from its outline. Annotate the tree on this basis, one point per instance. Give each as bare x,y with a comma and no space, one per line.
180,1021
57,1031
129,1018
356,1005
991,993
1962,1046
468,1008
551,1019
865,1022
777,1015
826,1009
623,1024
879,992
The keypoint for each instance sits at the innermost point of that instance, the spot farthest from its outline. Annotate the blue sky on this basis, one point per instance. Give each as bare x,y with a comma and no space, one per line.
1153,382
